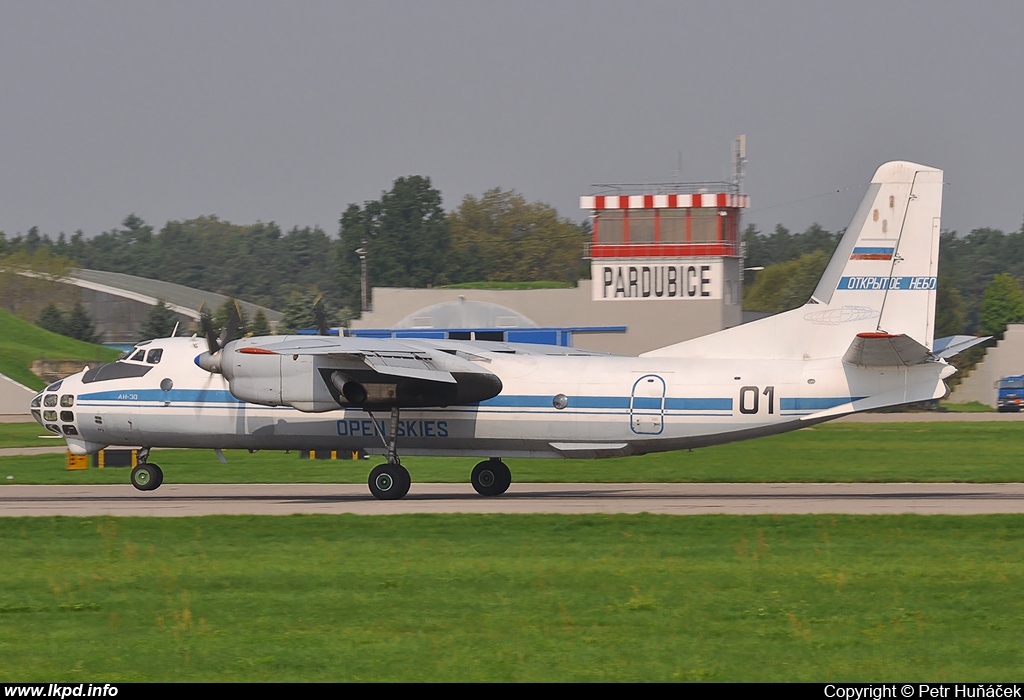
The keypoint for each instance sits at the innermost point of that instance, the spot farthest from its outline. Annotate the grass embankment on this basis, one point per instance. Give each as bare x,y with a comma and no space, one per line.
852,452
21,344
523,598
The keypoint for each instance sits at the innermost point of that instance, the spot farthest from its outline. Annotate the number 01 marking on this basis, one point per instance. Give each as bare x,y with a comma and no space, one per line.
750,399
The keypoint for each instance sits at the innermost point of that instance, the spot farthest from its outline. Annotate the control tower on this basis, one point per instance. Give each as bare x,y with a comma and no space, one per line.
669,242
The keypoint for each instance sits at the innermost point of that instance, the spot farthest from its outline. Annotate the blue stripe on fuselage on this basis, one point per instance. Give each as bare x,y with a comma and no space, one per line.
159,395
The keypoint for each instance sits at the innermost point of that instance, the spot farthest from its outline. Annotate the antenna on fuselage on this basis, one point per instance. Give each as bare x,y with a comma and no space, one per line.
175,331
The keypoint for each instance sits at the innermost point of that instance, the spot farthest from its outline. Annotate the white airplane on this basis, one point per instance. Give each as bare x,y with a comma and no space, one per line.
864,340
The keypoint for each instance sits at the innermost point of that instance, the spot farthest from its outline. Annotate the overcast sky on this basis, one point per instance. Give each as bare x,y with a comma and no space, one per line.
289,111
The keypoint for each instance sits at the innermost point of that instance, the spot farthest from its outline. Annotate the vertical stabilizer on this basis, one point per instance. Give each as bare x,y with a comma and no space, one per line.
881,279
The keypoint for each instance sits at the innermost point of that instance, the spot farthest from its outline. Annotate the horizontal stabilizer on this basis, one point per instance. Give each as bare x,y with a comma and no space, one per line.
885,350
955,344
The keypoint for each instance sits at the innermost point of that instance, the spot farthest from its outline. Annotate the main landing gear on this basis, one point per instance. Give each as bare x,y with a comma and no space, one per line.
145,475
491,477
391,481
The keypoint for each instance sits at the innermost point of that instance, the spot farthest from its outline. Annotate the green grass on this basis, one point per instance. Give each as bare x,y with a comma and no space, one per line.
850,452
510,285
21,344
27,435
512,598
970,407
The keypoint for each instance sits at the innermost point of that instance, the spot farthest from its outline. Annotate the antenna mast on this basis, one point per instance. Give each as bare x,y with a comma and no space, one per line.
740,163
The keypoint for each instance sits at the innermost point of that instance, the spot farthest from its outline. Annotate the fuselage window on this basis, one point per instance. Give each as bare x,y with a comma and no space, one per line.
154,356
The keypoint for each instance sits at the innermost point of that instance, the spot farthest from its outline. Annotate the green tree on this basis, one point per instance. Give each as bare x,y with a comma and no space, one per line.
950,315
159,323
52,319
1002,303
500,237
404,233
259,325
786,285
80,325
298,314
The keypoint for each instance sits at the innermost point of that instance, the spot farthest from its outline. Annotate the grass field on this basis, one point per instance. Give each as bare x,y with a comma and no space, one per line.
21,344
522,598
850,452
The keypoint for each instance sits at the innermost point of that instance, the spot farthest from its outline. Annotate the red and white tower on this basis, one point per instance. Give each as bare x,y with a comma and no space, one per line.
673,243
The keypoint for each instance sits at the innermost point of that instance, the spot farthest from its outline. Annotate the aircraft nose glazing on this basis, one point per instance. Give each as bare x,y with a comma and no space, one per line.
36,408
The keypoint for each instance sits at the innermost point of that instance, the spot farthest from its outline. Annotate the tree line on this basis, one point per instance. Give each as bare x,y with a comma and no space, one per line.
979,288
410,240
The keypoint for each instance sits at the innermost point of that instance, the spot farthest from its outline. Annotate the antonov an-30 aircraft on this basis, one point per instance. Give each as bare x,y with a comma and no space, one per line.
864,340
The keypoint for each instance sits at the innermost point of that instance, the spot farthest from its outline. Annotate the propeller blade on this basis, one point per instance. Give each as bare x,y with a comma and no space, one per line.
233,325
206,322
319,315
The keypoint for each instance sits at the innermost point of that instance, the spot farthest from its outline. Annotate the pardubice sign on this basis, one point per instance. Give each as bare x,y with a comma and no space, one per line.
687,278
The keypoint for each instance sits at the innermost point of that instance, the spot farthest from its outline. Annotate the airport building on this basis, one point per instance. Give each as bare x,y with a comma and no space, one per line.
666,264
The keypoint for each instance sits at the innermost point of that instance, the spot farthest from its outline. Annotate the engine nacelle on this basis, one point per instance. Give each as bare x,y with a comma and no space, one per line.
272,379
318,383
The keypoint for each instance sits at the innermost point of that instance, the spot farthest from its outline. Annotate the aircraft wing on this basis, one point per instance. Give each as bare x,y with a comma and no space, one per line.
321,373
391,357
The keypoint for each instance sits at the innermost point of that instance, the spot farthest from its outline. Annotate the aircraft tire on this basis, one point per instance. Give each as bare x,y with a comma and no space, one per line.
147,477
389,482
491,477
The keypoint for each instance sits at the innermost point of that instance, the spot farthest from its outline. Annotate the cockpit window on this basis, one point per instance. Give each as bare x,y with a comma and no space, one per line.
153,358
55,386
50,400
140,356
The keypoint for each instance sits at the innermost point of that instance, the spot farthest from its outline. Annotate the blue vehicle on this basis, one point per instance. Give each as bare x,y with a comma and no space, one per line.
1011,394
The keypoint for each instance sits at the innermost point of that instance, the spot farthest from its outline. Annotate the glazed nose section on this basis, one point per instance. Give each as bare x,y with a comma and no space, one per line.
37,408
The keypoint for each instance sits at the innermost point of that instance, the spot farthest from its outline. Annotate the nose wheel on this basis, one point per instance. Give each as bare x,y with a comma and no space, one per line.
491,478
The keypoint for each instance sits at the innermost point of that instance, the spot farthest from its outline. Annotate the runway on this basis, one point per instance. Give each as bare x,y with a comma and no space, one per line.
175,500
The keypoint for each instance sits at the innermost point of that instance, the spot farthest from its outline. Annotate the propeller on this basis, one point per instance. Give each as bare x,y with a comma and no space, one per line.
319,315
211,359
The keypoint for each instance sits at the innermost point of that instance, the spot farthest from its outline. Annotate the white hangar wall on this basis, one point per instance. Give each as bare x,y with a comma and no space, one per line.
650,323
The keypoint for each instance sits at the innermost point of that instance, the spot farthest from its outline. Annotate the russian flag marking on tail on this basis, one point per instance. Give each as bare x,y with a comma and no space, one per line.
864,253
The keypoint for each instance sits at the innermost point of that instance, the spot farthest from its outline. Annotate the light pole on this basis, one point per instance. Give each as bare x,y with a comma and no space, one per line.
361,252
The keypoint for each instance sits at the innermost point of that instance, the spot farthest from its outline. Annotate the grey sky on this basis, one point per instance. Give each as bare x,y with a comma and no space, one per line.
289,111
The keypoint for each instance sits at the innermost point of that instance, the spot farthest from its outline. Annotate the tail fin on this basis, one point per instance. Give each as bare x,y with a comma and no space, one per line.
881,279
